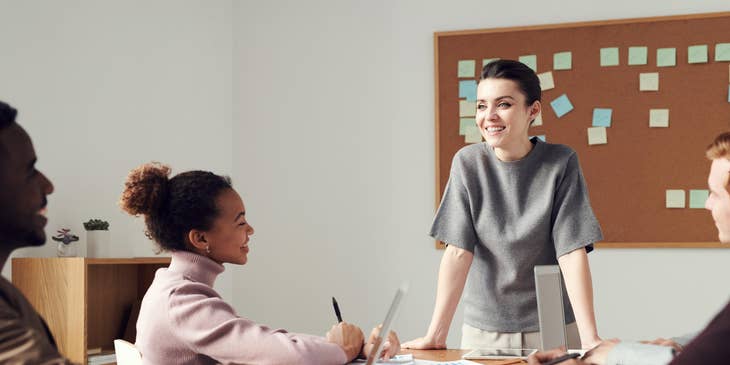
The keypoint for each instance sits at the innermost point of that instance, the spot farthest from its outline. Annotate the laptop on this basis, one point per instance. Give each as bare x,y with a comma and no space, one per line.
550,311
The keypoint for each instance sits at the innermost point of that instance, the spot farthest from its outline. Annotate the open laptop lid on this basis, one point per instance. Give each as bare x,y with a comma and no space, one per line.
387,324
550,311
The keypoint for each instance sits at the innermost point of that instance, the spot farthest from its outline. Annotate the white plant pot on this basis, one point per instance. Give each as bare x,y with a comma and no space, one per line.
97,243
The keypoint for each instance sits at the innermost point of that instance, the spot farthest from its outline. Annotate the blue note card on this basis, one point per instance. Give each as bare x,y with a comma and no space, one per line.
468,90
601,117
561,105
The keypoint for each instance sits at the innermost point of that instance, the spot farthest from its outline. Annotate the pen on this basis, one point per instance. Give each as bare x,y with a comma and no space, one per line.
337,309
565,357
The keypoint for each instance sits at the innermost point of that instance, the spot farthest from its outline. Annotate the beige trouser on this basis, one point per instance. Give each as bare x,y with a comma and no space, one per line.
474,338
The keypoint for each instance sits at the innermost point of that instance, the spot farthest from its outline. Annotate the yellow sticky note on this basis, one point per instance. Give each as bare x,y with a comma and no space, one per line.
659,118
473,136
546,80
466,68
467,108
649,81
597,135
537,121
675,198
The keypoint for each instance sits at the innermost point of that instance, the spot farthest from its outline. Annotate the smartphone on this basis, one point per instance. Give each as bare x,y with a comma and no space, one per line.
496,354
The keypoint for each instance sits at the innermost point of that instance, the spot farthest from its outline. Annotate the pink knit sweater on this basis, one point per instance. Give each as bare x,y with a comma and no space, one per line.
184,321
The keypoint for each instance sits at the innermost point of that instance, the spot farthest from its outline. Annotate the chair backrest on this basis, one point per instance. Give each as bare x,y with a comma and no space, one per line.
127,353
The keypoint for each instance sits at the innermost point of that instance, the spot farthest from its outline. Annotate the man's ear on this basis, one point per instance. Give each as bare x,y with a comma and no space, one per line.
197,239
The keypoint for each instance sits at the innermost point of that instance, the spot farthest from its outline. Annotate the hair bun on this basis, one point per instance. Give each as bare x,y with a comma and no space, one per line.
145,189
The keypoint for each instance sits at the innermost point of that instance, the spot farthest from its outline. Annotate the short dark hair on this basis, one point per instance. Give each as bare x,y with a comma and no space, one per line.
7,115
518,72
172,207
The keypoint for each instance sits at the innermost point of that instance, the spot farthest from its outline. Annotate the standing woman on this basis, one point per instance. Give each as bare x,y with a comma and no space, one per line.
510,204
201,221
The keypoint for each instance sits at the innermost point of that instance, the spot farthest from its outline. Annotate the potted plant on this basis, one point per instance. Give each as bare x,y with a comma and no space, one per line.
97,237
65,239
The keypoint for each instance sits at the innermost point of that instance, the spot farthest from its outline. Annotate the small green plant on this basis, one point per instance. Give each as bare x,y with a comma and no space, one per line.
64,235
96,225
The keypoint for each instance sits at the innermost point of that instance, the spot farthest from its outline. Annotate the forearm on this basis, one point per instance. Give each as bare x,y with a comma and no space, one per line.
579,285
452,276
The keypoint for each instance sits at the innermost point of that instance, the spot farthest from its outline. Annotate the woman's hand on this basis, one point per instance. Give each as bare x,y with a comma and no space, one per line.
348,336
390,348
424,343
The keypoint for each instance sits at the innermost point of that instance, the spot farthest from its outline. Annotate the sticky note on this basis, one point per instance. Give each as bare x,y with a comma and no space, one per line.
659,118
468,89
649,81
467,108
597,135
540,137
466,68
530,61
473,136
697,54
637,56
487,60
697,198
728,94
561,105
722,52
602,117
467,125
675,198
609,56
666,57
546,80
537,121
563,61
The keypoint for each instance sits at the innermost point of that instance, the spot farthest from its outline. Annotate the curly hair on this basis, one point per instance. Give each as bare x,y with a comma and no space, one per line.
719,148
173,206
7,115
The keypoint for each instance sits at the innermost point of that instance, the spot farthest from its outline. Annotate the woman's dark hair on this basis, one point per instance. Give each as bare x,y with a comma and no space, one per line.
518,72
7,115
173,206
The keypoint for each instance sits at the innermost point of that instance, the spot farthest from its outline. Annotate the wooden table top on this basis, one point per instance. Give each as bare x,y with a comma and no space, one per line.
453,355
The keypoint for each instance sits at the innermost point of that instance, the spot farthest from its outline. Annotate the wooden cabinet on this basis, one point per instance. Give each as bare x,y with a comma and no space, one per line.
86,301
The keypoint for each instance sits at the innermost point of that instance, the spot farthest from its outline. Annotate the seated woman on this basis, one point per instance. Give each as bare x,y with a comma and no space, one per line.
201,220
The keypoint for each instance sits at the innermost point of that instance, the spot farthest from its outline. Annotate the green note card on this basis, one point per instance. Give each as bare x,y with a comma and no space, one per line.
697,198
467,125
597,135
722,52
467,108
466,68
649,81
538,121
487,60
666,57
562,61
697,54
530,61
659,118
473,135
546,80
609,56
675,198
637,56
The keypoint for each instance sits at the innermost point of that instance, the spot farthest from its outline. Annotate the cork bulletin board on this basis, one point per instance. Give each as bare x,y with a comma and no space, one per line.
637,178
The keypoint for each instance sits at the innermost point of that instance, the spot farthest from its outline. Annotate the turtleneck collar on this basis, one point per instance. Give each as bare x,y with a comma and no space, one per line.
195,267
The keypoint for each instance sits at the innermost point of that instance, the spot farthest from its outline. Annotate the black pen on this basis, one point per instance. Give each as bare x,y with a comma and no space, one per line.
565,357
337,310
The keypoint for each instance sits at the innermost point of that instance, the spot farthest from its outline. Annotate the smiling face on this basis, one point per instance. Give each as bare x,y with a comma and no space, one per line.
228,237
23,191
503,117
719,200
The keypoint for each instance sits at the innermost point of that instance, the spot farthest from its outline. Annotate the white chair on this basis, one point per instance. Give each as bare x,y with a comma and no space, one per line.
127,353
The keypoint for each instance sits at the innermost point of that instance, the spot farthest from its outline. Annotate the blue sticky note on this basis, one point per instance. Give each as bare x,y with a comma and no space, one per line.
561,105
697,198
602,117
540,137
468,89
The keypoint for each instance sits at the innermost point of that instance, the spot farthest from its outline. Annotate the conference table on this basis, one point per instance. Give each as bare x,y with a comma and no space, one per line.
453,355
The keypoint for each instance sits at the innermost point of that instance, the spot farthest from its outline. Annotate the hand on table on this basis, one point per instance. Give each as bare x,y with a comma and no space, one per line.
424,343
348,336
390,348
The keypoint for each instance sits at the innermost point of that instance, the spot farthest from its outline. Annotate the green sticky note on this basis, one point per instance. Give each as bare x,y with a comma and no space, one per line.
675,198
666,57
530,61
563,61
697,54
697,198
538,121
649,81
467,108
637,56
473,135
466,68
597,135
722,52
487,60
609,56
659,118
467,125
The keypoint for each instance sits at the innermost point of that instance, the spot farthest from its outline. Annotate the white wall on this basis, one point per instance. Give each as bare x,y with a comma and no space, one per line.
334,156
105,86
